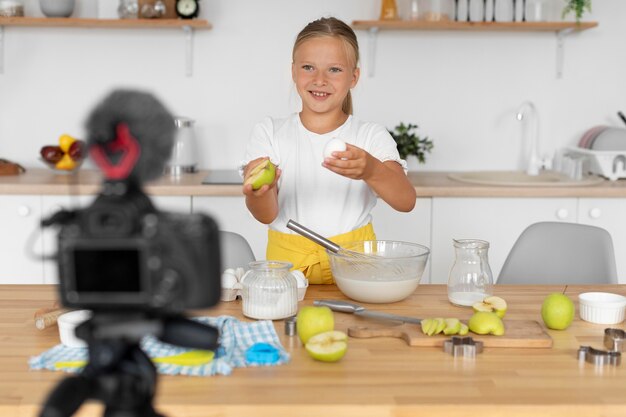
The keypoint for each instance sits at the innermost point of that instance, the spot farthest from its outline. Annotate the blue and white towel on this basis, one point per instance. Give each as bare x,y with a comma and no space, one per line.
235,338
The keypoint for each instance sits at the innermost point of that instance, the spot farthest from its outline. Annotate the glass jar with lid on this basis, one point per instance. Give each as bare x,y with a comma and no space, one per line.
470,279
269,291
436,10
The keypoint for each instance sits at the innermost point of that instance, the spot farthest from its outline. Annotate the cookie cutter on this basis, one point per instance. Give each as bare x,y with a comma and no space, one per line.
462,346
599,357
615,340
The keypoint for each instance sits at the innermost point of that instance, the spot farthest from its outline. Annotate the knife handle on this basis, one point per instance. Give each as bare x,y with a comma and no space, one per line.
339,305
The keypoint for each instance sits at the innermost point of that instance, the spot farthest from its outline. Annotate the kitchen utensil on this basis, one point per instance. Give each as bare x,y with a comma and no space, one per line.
599,357
462,346
602,307
621,116
184,152
518,334
615,339
269,291
470,279
322,241
357,310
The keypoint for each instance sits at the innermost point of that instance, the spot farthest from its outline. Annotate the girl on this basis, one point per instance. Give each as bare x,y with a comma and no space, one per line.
332,196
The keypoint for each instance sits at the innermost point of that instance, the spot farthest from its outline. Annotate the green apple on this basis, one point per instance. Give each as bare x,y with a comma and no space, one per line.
262,174
425,323
492,304
313,320
463,330
483,322
328,346
557,311
453,326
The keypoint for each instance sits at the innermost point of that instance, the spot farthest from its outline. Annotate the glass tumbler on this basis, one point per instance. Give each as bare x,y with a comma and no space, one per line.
269,291
470,279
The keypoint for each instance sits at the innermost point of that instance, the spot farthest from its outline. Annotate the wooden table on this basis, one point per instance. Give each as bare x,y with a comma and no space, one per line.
377,377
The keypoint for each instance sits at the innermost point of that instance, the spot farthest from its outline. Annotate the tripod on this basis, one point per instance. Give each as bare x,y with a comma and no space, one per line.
119,373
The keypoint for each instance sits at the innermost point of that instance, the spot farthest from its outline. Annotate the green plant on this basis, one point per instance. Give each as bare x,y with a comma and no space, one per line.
578,7
409,143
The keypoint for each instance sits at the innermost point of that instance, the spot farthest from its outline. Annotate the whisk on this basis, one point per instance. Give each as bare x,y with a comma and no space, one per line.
357,259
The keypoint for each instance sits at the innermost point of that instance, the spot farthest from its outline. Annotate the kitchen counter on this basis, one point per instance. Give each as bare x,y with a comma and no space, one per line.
427,184
377,377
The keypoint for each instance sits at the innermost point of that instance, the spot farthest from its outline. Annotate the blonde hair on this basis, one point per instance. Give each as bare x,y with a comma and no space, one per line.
332,27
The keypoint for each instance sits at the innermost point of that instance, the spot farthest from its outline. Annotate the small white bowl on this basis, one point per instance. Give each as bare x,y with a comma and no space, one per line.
67,324
602,307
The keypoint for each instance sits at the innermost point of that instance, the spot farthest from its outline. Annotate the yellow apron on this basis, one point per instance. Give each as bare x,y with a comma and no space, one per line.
307,256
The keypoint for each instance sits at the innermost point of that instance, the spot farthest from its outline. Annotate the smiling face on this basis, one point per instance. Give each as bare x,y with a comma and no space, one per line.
323,71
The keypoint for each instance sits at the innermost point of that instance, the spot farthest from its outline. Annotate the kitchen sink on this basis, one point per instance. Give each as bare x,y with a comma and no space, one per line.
522,179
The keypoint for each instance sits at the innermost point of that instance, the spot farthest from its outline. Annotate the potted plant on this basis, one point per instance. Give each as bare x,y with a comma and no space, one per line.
409,143
578,7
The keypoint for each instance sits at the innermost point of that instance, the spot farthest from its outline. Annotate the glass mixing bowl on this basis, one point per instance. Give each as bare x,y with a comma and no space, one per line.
391,271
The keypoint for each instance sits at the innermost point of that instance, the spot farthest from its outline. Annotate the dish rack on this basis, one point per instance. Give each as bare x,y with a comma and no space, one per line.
609,164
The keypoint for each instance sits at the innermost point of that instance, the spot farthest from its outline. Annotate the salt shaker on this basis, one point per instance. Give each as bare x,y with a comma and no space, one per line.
470,279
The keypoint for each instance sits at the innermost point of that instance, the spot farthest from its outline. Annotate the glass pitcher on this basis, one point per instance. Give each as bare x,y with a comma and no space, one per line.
470,279
269,291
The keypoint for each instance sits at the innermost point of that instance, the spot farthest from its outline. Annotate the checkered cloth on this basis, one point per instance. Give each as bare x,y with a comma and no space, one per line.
235,338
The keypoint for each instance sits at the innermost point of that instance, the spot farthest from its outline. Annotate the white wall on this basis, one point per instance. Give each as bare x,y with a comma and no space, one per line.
461,88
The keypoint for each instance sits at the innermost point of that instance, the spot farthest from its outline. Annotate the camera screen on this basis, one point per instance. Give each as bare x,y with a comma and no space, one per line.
107,270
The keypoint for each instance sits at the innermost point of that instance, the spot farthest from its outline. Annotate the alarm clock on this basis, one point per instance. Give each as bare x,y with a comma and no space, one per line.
187,9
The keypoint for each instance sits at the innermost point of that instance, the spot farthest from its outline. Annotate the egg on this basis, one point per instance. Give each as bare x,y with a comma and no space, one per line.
334,145
229,279
300,279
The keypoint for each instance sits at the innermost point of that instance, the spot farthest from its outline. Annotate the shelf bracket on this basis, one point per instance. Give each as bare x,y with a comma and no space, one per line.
560,50
1,49
188,30
371,64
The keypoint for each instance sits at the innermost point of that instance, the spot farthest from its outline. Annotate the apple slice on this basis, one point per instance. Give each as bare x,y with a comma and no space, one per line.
464,330
426,323
492,304
453,326
328,346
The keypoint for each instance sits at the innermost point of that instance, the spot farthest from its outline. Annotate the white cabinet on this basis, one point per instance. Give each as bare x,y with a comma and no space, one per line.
19,225
414,226
610,214
231,214
496,220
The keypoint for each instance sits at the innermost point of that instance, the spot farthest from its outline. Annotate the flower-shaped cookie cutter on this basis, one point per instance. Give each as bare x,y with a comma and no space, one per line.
615,339
599,357
462,346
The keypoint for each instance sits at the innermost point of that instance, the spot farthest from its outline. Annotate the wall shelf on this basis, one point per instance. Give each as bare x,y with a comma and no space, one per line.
562,29
187,25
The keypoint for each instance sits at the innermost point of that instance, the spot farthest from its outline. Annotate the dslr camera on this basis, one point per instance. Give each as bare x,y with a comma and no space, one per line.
122,253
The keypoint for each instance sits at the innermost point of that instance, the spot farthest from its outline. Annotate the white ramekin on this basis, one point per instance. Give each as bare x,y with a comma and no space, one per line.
67,324
602,307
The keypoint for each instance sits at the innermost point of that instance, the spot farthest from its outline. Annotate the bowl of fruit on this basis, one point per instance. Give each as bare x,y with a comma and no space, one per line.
67,156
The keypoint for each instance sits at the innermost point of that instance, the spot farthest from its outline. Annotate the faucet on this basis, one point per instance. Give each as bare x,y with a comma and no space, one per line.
535,163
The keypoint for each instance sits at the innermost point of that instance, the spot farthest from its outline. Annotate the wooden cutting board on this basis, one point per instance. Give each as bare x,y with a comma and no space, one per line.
517,334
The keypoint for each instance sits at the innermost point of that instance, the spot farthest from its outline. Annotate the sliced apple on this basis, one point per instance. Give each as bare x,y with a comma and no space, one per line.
492,304
328,346
426,325
262,174
464,330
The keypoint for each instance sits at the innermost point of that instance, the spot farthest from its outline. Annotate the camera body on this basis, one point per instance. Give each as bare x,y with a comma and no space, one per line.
121,253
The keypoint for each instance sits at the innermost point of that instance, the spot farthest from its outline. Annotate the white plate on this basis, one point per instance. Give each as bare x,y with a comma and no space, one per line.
610,139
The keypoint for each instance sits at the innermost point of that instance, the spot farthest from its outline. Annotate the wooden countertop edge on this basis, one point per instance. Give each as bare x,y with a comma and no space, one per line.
427,184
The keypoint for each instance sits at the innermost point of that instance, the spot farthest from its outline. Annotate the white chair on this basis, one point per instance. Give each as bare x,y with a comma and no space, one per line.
236,251
560,253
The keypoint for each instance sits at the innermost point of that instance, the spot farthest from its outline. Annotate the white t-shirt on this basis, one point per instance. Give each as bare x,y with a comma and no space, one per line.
308,193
